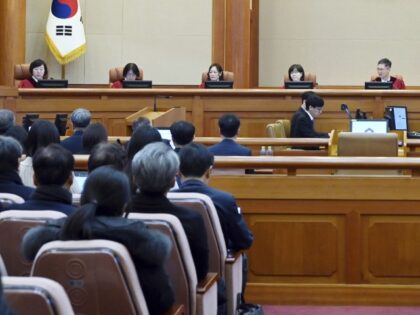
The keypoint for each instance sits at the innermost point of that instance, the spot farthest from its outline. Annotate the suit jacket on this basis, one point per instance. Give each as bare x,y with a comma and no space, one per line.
191,221
11,183
228,147
148,249
236,233
397,84
302,126
74,143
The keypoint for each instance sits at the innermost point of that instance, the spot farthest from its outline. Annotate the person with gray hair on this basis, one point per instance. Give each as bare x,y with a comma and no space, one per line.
154,169
10,181
80,119
7,120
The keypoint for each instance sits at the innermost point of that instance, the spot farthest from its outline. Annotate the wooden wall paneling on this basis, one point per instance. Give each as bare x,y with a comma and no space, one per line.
219,32
254,44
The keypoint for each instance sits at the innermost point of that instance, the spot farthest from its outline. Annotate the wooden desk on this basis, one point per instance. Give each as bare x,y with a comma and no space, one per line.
255,107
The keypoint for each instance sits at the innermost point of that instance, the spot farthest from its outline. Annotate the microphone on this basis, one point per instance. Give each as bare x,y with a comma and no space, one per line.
345,108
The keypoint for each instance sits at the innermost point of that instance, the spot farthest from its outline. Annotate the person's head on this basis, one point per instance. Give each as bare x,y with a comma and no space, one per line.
106,193
305,96
17,132
10,152
142,137
140,122
131,72
53,165
314,104
105,153
80,118
229,125
384,68
215,72
154,168
195,161
93,134
296,73
41,134
38,69
182,132
7,120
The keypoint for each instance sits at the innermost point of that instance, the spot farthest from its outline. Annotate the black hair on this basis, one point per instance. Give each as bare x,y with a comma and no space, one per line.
386,62
37,63
10,152
314,101
17,132
93,134
219,69
306,94
105,153
106,192
182,132
142,137
41,134
52,165
229,125
133,67
195,159
299,68
139,122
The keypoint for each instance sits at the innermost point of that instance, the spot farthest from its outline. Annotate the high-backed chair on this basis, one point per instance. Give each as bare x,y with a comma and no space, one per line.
227,76
197,298
308,77
116,74
98,276
7,200
13,226
21,72
34,295
228,266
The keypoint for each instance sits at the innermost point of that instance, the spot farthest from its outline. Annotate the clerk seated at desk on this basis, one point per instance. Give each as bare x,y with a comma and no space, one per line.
131,72
384,69
302,125
39,71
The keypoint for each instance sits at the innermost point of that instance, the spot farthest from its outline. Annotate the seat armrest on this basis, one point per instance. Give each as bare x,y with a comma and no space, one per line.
207,282
233,256
176,309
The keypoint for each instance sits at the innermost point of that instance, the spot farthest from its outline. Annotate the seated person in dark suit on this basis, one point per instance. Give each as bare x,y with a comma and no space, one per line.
53,166
7,120
182,134
154,169
80,118
111,154
19,133
229,127
93,134
384,69
10,181
302,125
104,198
39,71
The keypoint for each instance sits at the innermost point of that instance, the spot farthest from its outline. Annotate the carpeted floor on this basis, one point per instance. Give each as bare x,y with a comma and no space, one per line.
338,310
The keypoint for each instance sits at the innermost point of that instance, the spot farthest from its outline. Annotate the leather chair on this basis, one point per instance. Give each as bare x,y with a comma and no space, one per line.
33,295
308,77
13,226
228,266
21,72
3,270
98,276
197,298
7,200
227,75
116,74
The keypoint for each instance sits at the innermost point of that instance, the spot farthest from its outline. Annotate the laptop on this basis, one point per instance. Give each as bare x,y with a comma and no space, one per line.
52,84
377,85
137,84
299,85
218,84
369,125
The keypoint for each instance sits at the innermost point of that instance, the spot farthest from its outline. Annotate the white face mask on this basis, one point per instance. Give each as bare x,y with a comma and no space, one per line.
296,75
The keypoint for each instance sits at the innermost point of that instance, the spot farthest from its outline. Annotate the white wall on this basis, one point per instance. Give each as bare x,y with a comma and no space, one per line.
341,41
170,40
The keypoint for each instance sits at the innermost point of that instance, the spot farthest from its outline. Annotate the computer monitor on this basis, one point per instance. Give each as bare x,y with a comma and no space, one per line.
218,84
308,85
61,123
377,85
52,84
369,125
165,133
137,84
397,117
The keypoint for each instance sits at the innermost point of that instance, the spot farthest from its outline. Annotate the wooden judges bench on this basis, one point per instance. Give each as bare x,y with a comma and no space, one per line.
255,107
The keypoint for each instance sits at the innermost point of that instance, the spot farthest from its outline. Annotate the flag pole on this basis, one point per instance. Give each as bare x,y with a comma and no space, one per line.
63,72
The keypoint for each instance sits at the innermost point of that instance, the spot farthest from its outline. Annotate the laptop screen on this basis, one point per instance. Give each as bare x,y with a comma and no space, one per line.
369,126
165,133
400,117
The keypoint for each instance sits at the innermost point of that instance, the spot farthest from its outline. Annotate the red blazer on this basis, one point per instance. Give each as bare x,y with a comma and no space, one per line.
397,84
202,85
26,84
117,85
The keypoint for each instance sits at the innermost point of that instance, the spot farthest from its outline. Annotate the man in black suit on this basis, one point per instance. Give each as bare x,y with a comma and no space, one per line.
154,169
229,127
80,118
302,125
182,133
